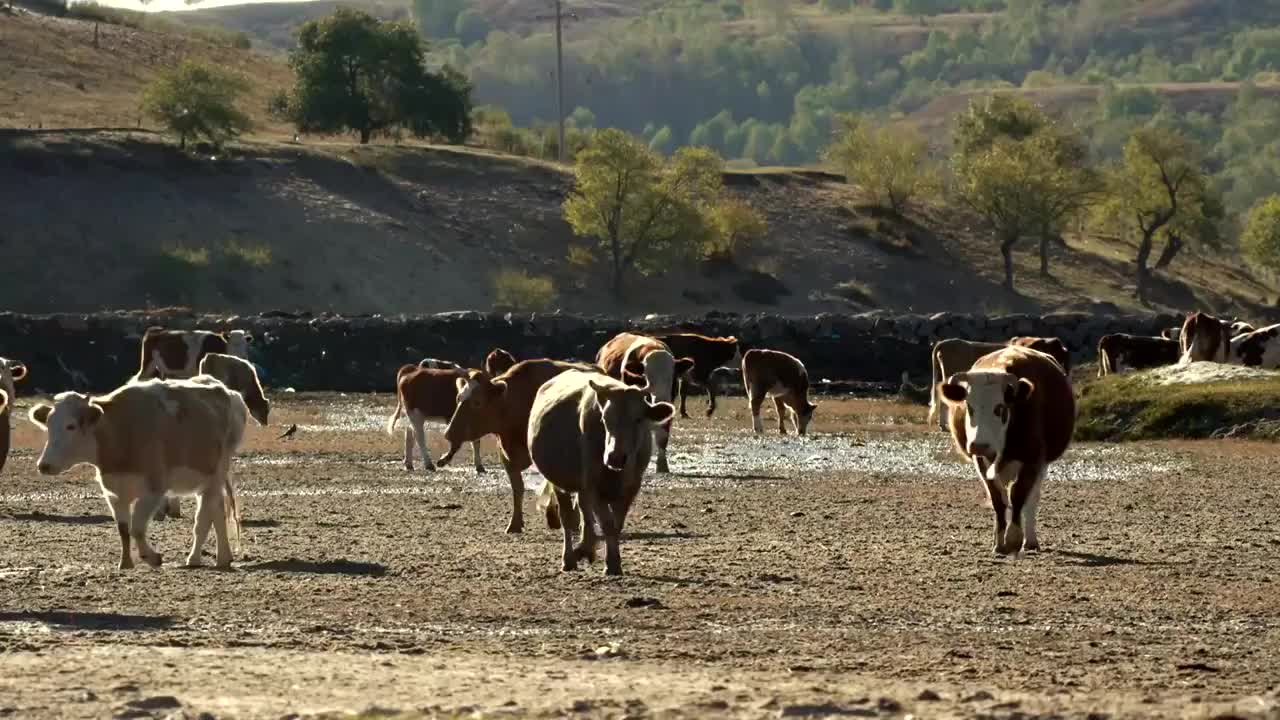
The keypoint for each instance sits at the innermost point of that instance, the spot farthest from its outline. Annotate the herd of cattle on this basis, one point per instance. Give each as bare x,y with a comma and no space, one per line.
590,429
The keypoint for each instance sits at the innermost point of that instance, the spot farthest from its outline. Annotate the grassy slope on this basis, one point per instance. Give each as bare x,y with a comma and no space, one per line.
1130,407
415,229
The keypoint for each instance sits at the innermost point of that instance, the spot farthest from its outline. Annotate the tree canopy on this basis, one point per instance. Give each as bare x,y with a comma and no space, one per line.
890,162
1260,241
195,100
355,72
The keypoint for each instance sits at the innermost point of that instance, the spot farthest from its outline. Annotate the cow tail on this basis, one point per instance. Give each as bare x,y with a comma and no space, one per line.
1104,361
231,508
395,415
549,505
933,387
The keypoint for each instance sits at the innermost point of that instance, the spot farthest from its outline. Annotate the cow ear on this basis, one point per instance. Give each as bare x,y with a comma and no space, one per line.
954,393
39,416
461,383
17,370
602,391
4,401
659,412
91,415
683,365
499,386
1020,392
633,377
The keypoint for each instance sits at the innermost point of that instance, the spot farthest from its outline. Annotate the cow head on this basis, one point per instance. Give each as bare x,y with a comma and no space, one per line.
803,415
238,342
70,432
988,398
476,414
628,416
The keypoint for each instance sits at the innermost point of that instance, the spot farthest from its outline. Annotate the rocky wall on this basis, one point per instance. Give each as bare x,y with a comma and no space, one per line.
361,353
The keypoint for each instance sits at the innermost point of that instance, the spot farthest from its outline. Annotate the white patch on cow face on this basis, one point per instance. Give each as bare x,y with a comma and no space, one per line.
988,397
659,373
238,344
69,432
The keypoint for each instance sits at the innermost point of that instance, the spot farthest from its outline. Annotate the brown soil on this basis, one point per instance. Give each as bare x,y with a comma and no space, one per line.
846,573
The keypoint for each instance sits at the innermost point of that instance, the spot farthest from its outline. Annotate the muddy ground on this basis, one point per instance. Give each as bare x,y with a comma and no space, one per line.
847,573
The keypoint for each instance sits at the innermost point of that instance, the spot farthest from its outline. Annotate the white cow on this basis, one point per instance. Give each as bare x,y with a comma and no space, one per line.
147,440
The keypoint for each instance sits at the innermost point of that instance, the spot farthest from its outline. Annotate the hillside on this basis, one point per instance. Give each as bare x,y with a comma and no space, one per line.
413,229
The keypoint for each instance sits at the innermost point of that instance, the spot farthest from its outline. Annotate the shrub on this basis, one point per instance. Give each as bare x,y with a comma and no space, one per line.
1133,407
737,227
195,100
1260,241
519,290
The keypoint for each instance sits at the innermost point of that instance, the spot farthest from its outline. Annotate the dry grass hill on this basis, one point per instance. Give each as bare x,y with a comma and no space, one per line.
121,219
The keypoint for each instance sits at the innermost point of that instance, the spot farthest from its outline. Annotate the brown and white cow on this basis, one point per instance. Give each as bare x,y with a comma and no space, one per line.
649,363
11,372
1119,352
238,375
425,393
775,374
954,355
1011,415
177,353
500,405
1204,337
592,436
498,361
147,440
708,354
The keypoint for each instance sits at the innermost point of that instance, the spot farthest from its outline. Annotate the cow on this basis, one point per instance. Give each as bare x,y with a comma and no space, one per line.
238,375
953,355
498,361
592,435
1118,352
1204,337
775,374
647,362
11,372
438,364
1011,415
708,354
176,354
1257,348
426,393
150,439
500,405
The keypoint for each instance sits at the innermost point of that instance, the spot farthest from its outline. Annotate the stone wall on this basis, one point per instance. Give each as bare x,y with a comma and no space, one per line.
361,354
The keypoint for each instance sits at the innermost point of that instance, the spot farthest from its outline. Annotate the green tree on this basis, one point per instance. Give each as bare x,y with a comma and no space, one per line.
1160,187
997,115
1260,241
639,209
354,72
1064,183
891,162
737,226
999,184
917,8
195,100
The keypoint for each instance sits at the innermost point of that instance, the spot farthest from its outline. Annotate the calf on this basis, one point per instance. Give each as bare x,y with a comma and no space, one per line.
498,361
775,374
592,435
238,375
422,394
500,405
147,440
647,362
1119,352
11,372
1011,414
177,353
953,355
708,354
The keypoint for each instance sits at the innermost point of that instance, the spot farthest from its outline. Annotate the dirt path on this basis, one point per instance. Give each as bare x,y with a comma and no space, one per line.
767,577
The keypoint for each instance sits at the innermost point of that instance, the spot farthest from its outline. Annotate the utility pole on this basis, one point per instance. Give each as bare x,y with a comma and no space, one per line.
559,86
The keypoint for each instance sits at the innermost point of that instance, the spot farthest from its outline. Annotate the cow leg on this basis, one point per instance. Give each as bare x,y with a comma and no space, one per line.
780,408
143,508
662,435
475,455
711,397
219,512
1008,539
1023,498
416,421
996,496
604,512
1031,543
200,530
564,503
517,498
755,399
586,548
120,511
684,395
171,508
408,447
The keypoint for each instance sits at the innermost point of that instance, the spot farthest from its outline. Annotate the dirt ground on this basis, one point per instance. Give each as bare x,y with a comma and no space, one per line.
847,573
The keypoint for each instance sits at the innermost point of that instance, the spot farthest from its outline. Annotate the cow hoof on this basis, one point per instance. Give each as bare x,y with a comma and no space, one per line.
408,467
613,571
193,562
1031,547
710,412
154,559
684,415
514,528
125,565
223,564
428,469
663,467
569,567
480,470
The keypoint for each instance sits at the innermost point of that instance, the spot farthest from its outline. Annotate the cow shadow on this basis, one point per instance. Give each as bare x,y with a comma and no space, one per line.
319,567
116,622
260,523
659,535
61,519
1085,559
713,476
